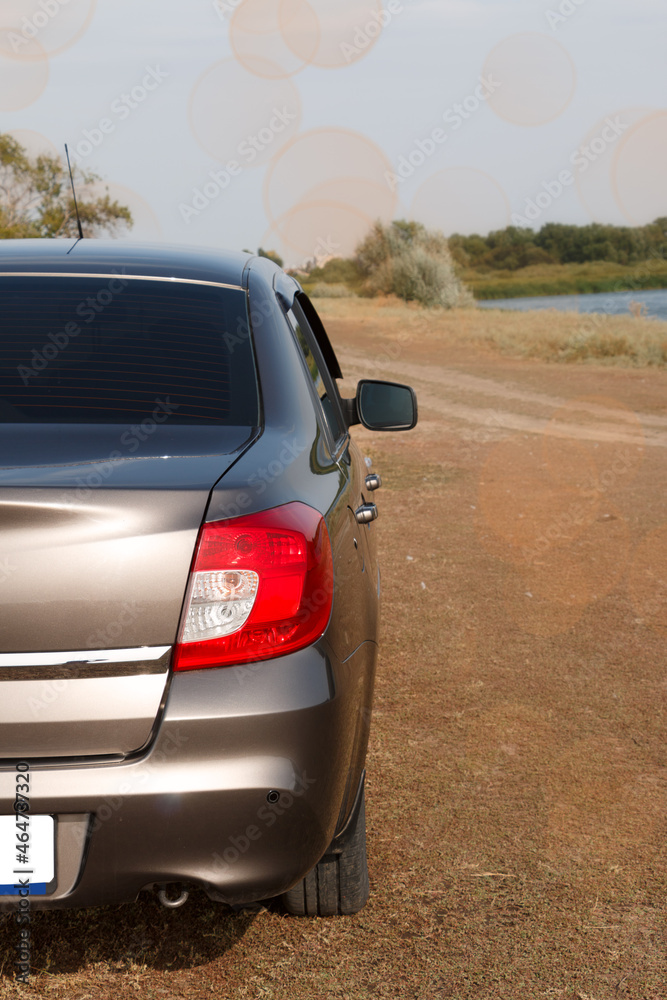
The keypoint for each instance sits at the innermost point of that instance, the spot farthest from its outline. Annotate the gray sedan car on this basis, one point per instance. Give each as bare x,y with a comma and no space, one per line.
188,579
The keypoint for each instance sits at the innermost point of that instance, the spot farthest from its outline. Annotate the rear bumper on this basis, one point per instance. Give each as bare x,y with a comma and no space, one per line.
198,806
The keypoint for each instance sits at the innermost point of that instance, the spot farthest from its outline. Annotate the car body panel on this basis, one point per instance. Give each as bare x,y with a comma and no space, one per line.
67,256
181,811
82,702
237,778
89,456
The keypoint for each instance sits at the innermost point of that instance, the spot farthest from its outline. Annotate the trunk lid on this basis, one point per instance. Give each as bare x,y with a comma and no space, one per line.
95,549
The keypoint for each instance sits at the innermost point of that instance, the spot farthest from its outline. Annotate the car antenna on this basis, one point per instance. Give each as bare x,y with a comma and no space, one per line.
76,207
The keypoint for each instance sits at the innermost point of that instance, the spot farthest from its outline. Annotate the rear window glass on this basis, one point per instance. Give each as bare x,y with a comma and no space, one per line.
110,349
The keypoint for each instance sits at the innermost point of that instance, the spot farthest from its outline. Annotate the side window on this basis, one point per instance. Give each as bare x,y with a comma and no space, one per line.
322,382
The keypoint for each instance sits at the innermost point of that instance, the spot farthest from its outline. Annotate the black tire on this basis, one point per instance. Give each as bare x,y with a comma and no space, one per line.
338,884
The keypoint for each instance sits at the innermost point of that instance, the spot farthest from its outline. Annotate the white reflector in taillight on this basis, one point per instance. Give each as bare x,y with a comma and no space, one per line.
219,603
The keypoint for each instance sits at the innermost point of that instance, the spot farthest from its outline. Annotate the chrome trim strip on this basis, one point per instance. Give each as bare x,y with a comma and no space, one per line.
86,655
75,664
129,277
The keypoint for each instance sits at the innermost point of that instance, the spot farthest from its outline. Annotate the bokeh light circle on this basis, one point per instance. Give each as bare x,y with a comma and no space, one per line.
592,168
22,80
346,30
317,230
639,170
534,77
259,33
277,38
55,25
334,165
237,116
146,226
34,143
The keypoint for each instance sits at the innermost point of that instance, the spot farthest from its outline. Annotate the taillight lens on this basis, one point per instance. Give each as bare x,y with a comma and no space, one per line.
260,586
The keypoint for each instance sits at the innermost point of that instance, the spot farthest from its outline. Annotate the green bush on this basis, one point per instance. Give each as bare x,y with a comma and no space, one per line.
407,260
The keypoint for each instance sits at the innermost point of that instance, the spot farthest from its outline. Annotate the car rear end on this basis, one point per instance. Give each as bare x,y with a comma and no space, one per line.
179,700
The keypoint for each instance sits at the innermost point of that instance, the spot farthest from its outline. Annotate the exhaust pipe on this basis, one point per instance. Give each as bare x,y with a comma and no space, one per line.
168,901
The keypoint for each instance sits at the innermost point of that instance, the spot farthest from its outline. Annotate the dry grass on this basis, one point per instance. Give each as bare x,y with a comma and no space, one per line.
547,335
517,787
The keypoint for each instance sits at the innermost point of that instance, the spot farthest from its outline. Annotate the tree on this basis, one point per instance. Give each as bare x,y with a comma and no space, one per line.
412,262
271,255
556,243
36,198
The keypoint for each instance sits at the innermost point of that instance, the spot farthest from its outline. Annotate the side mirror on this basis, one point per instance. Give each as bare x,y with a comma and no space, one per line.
386,406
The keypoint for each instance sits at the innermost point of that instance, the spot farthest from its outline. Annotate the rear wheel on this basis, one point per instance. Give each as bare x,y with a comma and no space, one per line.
338,884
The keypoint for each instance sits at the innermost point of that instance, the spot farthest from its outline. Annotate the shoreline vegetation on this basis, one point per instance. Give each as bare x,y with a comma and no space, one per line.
554,336
509,263
567,279
537,280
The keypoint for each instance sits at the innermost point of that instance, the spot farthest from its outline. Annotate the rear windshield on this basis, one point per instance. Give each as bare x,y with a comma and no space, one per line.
110,349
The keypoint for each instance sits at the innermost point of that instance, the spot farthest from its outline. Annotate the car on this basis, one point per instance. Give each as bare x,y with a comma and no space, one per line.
189,582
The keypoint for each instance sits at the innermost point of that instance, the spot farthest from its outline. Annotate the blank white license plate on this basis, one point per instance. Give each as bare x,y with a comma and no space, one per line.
36,863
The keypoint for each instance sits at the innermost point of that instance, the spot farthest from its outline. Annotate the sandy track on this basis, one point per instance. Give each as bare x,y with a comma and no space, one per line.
455,395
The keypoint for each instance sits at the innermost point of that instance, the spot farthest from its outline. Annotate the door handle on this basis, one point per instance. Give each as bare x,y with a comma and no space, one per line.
373,481
366,513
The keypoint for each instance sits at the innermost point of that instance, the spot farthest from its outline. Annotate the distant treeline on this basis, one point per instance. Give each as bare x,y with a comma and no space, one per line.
513,248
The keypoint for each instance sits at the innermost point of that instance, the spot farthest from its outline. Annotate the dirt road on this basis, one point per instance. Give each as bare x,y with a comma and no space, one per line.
517,795
524,663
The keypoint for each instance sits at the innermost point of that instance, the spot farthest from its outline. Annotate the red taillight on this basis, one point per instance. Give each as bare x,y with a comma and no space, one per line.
260,586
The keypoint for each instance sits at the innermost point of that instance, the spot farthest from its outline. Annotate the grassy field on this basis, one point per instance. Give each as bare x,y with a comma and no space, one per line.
548,335
566,279
517,788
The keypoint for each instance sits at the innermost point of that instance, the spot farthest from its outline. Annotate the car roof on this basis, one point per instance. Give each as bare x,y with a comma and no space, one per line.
92,256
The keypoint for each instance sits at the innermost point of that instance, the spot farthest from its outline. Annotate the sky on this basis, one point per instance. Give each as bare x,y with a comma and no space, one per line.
295,124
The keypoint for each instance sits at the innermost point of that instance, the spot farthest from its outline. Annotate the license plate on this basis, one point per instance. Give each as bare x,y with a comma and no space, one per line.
31,859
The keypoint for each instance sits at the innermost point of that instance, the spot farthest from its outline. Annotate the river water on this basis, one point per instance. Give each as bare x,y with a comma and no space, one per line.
612,303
